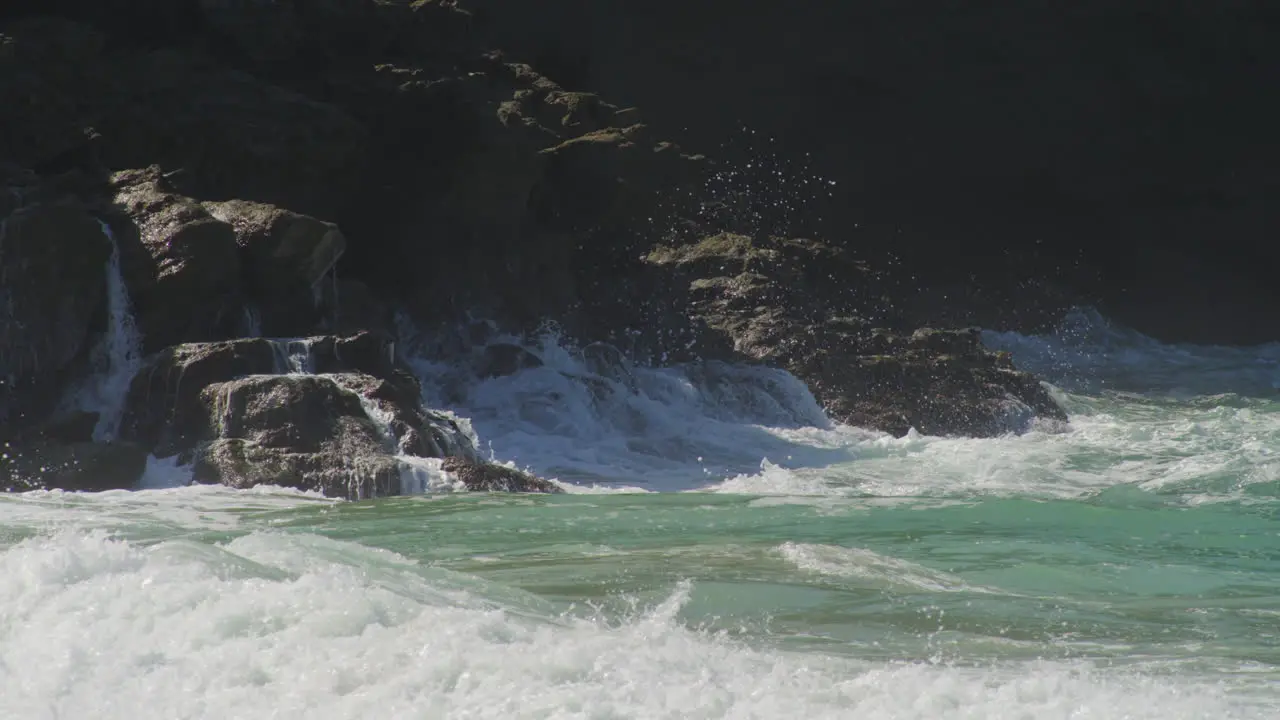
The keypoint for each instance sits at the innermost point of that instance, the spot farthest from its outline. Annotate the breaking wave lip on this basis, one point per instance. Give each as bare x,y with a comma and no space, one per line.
318,628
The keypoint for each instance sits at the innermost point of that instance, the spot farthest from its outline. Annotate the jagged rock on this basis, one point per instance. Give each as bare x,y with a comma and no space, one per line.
902,129
501,359
53,262
163,409
489,477
72,466
245,414
337,434
240,463
285,258
417,430
807,307
307,432
189,282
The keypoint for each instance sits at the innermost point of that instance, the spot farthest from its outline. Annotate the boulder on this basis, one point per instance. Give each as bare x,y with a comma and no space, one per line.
490,477
187,286
324,413
416,430
285,257
53,261
335,434
164,409
811,309
307,432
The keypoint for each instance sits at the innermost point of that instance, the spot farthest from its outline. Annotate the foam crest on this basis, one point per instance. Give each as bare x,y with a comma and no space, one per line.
303,627
600,422
755,430
116,357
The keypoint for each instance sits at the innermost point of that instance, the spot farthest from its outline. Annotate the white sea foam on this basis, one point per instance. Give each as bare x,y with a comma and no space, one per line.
117,357
1202,421
302,627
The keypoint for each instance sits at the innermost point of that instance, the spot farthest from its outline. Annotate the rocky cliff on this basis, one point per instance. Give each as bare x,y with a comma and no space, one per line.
302,169
1117,153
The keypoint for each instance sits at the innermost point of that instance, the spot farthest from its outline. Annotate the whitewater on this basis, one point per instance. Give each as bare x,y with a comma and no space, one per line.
724,551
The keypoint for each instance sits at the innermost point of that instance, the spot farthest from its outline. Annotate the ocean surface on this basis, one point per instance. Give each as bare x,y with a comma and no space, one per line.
725,552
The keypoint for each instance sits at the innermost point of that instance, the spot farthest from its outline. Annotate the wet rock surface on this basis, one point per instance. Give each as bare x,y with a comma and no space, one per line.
52,294
307,432
813,310
327,414
489,477
322,173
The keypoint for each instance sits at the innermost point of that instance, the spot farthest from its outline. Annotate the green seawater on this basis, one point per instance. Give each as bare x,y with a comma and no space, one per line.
1127,566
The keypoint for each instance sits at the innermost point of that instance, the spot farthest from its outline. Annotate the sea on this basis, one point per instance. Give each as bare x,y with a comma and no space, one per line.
724,550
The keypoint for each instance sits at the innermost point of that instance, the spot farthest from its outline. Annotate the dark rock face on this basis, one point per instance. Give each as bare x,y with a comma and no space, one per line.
307,432
201,265
391,119
72,466
242,413
191,282
1015,157
300,169
164,408
811,309
287,257
52,291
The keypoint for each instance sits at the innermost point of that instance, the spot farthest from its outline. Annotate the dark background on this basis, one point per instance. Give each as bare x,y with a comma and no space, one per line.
1123,153
1005,158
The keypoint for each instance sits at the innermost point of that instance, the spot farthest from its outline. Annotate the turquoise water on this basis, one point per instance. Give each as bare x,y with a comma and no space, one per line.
1127,566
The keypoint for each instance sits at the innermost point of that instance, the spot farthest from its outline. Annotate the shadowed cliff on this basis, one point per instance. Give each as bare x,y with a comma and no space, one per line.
1124,151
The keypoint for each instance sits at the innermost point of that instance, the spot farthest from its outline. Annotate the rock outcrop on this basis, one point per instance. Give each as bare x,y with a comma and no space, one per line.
329,414
1012,157
488,477
287,257
186,285
810,308
304,431
298,170
198,268
53,259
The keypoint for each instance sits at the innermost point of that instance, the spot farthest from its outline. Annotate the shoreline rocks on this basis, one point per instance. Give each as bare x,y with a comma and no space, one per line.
269,171
810,308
